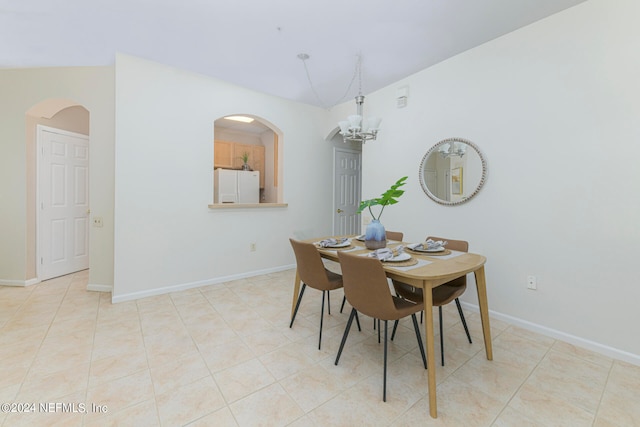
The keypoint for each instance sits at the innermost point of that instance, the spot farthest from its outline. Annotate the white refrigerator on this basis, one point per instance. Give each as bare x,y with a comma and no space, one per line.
235,186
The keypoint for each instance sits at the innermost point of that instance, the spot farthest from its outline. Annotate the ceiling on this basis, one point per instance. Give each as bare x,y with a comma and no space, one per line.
255,43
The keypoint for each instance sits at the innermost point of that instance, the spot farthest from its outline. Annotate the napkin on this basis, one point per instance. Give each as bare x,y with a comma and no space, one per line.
331,242
429,245
384,254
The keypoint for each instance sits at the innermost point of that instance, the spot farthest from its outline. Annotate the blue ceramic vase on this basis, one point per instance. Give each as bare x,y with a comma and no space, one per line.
375,236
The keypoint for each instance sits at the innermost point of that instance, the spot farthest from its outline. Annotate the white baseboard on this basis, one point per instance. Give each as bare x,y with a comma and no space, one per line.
19,282
99,288
605,350
197,284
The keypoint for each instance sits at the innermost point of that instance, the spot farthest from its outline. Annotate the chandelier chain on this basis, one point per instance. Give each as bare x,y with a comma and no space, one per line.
356,73
359,68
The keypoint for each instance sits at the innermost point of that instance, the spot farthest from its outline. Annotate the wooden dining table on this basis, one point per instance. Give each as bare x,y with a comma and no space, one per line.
431,271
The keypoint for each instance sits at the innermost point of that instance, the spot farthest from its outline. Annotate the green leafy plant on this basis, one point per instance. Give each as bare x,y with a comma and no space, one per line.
245,157
389,197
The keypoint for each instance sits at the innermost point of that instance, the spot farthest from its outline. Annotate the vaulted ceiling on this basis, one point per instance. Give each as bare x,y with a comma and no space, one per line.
255,43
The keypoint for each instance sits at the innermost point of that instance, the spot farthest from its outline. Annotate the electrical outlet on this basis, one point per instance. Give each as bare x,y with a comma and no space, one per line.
97,221
532,283
252,247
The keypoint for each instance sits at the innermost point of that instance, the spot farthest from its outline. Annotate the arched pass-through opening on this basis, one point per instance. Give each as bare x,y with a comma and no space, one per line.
249,142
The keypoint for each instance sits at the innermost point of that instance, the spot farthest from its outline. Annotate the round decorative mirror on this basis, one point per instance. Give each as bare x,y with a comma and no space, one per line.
452,171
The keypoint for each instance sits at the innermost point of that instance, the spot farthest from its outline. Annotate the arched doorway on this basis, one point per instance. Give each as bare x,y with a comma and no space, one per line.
57,139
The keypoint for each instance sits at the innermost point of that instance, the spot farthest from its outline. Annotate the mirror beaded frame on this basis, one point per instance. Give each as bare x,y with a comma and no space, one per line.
435,149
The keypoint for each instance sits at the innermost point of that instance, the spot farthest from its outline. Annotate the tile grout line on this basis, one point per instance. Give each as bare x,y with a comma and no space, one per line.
93,341
44,337
604,389
146,353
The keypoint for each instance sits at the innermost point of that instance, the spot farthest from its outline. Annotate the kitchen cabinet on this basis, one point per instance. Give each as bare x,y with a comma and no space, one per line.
228,155
223,154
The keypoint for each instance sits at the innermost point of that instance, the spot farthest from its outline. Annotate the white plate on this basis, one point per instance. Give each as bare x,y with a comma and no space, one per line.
339,245
360,238
440,249
402,257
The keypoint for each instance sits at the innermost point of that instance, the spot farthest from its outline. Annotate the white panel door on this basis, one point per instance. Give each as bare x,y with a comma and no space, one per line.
347,188
63,201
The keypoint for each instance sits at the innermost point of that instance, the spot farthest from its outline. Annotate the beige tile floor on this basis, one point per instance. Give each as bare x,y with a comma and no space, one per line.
224,355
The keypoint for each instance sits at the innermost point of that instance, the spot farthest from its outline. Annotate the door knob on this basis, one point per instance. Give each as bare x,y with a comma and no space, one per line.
339,211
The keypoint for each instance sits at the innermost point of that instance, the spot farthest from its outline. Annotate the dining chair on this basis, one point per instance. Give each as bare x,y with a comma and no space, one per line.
314,274
442,294
391,235
395,235
367,290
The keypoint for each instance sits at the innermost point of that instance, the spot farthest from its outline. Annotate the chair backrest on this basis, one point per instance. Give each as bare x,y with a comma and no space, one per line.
310,266
454,245
395,235
366,287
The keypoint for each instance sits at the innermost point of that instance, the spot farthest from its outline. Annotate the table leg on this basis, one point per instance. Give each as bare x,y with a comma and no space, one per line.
481,286
429,341
296,291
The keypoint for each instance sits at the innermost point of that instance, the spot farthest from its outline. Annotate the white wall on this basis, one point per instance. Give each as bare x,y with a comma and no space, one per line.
555,108
21,89
166,238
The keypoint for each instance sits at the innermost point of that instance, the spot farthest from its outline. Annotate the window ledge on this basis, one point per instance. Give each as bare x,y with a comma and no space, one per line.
247,205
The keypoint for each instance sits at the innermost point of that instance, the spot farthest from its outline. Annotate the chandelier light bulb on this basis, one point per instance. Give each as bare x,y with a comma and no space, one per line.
354,121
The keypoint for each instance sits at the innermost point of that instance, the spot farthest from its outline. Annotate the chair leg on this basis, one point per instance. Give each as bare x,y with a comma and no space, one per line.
421,317
395,326
420,346
441,334
297,304
353,314
384,386
321,316
464,322
378,331
344,299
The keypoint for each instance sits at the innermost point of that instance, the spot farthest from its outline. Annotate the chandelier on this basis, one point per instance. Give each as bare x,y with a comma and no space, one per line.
455,149
356,128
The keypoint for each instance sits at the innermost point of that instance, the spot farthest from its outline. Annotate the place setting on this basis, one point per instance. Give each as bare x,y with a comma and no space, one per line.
335,243
396,257
430,247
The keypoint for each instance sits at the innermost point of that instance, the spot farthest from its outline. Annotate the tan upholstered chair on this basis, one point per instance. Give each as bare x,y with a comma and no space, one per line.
442,294
391,235
313,273
367,290
395,235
